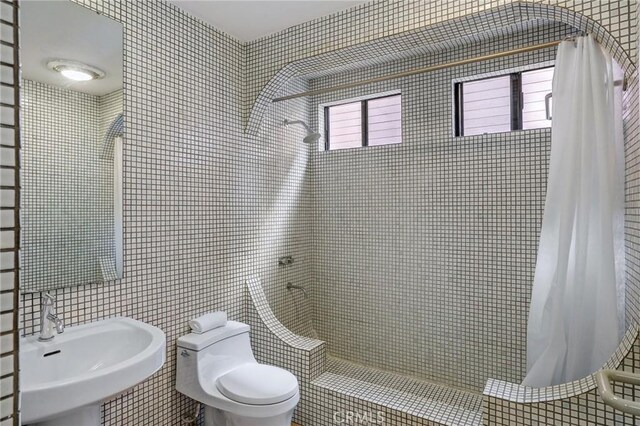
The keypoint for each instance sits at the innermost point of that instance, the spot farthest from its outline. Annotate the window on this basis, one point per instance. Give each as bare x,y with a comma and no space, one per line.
535,86
369,122
500,104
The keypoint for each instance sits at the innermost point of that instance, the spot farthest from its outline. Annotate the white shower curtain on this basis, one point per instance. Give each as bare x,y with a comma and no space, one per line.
574,317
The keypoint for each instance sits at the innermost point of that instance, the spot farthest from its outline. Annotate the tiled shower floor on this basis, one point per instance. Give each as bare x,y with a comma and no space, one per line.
434,402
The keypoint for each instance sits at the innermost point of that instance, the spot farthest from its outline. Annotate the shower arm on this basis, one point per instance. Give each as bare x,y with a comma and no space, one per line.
306,126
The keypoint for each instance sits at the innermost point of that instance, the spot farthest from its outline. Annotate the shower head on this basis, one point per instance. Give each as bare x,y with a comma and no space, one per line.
312,137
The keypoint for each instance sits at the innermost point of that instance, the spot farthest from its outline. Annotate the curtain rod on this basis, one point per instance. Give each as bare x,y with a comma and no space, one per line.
419,71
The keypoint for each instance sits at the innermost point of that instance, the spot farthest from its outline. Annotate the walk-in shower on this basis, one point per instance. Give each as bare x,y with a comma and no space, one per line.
416,227
312,137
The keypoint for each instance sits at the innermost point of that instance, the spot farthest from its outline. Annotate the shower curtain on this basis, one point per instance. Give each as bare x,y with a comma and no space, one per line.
574,322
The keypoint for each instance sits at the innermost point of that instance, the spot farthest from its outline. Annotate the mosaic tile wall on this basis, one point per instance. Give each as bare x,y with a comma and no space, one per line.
9,218
424,253
183,155
284,216
304,41
109,107
205,207
67,187
199,213
632,183
575,403
381,19
577,408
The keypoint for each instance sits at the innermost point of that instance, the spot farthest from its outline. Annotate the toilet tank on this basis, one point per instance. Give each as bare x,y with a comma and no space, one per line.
236,332
204,357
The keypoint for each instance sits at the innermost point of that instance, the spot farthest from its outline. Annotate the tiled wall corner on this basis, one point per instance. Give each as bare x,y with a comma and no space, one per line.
9,218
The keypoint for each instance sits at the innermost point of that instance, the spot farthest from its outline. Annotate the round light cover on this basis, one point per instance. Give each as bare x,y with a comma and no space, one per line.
76,71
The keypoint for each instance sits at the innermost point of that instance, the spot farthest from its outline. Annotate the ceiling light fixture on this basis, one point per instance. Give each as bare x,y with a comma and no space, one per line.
76,71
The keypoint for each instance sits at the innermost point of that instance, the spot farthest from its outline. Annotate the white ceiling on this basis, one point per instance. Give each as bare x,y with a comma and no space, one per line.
249,20
62,30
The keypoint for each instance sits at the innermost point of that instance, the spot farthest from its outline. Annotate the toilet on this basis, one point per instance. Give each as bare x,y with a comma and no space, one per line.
218,369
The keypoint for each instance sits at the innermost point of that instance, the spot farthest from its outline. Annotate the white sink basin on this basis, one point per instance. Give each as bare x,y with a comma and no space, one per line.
64,381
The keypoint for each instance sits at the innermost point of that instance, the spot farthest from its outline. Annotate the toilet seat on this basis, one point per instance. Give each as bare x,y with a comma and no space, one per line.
258,384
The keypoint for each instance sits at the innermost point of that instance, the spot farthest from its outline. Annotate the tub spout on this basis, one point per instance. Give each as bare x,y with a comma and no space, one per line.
297,287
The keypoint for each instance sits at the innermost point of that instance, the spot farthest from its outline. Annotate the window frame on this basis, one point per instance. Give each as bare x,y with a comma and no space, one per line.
364,117
516,100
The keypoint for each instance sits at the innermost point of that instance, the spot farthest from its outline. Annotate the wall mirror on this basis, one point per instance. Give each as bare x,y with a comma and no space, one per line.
71,158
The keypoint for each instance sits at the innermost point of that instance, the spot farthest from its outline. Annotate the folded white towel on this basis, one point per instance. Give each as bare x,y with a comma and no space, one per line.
208,322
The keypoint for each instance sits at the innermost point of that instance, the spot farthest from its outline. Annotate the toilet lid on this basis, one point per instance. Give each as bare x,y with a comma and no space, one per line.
258,384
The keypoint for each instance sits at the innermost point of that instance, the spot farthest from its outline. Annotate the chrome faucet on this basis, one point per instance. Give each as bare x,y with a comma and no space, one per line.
48,319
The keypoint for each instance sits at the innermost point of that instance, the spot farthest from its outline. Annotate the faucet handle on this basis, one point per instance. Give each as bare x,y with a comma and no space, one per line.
48,299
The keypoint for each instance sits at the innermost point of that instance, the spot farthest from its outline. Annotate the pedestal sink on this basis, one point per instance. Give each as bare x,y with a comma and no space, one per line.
64,381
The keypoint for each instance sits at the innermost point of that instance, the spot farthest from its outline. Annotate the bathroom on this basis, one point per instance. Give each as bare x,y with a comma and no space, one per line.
391,273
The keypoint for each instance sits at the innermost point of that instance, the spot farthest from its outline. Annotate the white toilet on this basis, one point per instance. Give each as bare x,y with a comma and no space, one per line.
217,368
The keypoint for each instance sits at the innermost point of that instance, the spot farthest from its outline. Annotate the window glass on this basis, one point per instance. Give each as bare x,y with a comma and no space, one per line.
345,126
368,122
487,106
385,120
509,102
535,86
